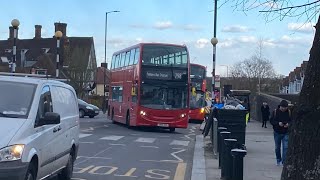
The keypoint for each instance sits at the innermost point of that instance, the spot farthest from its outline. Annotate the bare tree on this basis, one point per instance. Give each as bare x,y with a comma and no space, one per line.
303,157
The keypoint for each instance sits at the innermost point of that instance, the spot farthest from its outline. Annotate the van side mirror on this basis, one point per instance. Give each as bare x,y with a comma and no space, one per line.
50,118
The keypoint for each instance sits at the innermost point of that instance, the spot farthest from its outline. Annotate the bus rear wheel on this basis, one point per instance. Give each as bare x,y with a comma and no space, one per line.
112,117
172,129
128,120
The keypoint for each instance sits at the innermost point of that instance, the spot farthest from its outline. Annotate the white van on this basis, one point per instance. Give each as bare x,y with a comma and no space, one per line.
39,128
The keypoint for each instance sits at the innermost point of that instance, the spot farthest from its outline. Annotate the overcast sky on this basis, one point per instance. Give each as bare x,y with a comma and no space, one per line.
286,42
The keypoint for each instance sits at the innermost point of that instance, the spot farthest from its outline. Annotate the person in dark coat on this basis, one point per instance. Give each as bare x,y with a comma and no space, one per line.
265,113
281,120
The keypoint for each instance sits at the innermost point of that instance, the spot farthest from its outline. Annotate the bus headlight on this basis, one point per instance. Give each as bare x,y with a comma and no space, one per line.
143,113
11,153
183,115
202,110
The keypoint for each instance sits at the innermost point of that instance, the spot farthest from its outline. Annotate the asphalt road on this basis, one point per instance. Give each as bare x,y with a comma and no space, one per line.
114,152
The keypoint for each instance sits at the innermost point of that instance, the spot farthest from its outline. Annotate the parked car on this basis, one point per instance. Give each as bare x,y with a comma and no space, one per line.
39,128
86,109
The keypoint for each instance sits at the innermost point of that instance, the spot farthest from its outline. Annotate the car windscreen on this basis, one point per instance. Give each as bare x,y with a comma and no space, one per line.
16,99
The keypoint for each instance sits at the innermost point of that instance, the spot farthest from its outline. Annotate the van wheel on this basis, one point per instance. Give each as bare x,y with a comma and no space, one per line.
128,120
66,173
81,113
31,173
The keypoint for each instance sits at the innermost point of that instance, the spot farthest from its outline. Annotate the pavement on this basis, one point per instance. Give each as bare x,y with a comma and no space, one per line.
260,161
112,151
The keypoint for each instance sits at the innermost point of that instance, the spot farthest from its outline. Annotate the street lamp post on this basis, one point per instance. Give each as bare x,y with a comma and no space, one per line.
105,60
15,24
58,35
214,42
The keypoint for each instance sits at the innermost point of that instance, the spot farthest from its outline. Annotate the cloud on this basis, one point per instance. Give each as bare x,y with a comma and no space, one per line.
161,25
301,27
236,29
191,27
201,43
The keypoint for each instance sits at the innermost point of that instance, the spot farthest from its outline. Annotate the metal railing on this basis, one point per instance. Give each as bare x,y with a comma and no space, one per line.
49,77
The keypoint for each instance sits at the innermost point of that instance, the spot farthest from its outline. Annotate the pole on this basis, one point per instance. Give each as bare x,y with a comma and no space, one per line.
58,57
105,61
14,49
214,48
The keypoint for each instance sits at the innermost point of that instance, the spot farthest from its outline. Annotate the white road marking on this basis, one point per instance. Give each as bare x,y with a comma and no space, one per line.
112,138
156,147
180,143
135,134
175,156
84,135
145,140
188,136
117,144
88,157
86,142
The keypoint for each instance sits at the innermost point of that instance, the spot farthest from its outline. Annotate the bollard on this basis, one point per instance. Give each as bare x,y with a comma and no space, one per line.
228,161
238,155
224,135
220,129
215,138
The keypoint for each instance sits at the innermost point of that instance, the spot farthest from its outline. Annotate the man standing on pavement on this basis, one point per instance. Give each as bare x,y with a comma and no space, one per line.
265,112
281,119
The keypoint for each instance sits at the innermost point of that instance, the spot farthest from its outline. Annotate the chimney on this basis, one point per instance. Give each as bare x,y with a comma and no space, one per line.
61,27
11,30
105,65
37,31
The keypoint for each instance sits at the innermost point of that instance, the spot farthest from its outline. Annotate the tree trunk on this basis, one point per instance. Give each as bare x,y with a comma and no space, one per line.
303,157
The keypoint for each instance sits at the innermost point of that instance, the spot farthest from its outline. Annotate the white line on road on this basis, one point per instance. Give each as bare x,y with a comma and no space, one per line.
135,134
86,142
175,156
93,156
112,138
156,147
180,143
84,135
117,144
145,140
88,157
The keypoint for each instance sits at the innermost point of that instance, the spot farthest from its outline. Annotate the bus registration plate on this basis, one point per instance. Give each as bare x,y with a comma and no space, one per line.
163,125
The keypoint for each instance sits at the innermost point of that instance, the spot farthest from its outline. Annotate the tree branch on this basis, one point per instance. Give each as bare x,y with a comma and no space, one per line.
291,7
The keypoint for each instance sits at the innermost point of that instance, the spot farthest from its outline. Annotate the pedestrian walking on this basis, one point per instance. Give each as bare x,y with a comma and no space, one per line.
281,119
265,113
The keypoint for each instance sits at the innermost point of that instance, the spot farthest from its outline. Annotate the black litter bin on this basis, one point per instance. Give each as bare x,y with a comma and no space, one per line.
235,121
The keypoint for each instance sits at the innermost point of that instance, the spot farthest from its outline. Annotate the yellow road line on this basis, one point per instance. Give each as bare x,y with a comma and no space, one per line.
180,171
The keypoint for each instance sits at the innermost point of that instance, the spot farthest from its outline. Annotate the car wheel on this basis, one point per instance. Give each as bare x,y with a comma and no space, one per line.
31,173
81,113
172,129
91,116
66,173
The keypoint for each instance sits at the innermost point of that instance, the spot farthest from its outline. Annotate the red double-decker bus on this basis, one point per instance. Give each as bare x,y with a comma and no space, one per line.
150,86
198,89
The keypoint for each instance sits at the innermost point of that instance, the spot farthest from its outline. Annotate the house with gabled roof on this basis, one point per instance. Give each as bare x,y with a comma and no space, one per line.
292,84
38,55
